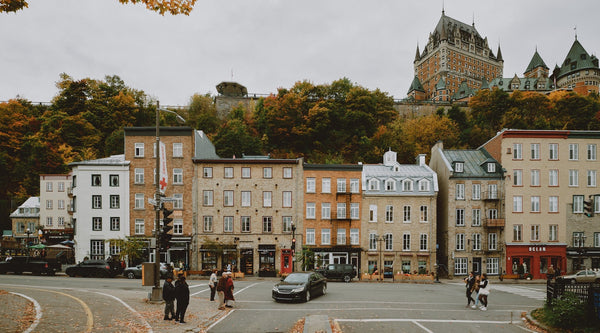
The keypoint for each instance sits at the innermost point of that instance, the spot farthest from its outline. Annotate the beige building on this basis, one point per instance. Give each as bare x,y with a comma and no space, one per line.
55,219
25,222
551,179
470,211
398,224
247,213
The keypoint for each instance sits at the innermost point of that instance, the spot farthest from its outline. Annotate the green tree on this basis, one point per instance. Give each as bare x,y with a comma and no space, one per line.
202,113
132,248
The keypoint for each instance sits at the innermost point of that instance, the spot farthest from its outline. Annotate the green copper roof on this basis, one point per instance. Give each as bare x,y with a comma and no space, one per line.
416,85
536,62
441,84
577,59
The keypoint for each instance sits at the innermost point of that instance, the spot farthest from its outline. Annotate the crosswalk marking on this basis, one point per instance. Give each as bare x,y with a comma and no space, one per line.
524,291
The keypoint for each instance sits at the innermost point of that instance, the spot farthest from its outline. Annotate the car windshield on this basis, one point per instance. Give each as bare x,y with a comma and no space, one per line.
296,278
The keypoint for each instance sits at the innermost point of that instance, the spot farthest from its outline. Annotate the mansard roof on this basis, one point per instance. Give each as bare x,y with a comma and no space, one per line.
474,163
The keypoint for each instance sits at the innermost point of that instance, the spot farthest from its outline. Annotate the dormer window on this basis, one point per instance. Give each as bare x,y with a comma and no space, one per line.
423,185
459,167
407,185
373,185
390,185
491,167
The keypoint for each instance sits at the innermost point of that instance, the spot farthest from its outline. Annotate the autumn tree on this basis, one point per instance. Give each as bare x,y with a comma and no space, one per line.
173,7
202,113
425,131
236,137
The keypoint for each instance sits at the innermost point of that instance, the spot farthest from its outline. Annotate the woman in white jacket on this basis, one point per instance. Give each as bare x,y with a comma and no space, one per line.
484,291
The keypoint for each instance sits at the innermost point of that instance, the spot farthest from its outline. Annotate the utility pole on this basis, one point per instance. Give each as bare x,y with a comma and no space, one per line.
157,290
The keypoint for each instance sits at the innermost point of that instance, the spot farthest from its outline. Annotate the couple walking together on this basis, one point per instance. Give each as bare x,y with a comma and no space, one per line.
224,289
180,292
480,285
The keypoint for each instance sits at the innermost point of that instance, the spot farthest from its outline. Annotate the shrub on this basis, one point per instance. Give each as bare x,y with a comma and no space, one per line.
568,311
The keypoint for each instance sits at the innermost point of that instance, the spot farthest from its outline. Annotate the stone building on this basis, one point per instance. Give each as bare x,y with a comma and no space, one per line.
55,216
25,221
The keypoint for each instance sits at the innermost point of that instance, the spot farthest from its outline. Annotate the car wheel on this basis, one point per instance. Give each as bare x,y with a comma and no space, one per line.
324,290
70,273
130,275
347,278
307,296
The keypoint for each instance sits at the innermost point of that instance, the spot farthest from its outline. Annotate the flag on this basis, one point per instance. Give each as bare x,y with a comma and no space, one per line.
163,176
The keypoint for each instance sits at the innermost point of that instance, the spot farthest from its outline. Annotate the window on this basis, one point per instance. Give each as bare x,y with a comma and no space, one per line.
578,239
423,185
517,177
476,242
178,227
139,201
389,214
178,203
573,177
310,185
267,172
591,178
228,198
492,191
310,236
596,239
61,204
372,242
388,240
228,172
207,172
325,236
552,177
390,185
407,185
553,151
97,249
49,221
535,232
406,214
535,177
177,149
326,185
138,176
591,152
325,211
287,199
287,223
459,167
115,201
460,191
492,265
139,149
341,185
491,167
354,185
476,192
460,242
341,210
97,201
178,176
535,204
310,210
48,187
341,236
597,204
553,232
476,217
207,196
61,186
424,216
354,211
354,236
423,243
460,217
227,223
96,223
406,242
115,223
287,173
246,172
578,204
208,223
517,151
48,204
246,198
518,232
372,213
573,152
492,242
267,198
245,220
553,204
517,204
96,180
373,185
139,226
535,151
460,266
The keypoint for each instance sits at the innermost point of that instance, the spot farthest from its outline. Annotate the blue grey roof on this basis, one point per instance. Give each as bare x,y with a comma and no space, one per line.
204,147
118,160
533,84
30,206
474,163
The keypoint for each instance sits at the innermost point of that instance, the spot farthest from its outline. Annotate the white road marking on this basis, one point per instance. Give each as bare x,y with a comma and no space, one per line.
252,285
137,314
426,321
198,292
38,311
220,320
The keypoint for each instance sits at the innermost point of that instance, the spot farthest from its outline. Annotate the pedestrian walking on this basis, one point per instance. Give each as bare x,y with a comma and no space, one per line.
550,273
476,290
469,282
212,283
484,291
221,290
229,291
182,294
169,297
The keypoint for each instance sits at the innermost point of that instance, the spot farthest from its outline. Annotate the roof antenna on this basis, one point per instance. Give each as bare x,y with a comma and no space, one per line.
443,11
473,18
575,32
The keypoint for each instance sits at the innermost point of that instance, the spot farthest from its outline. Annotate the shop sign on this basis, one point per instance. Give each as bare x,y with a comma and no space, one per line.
537,249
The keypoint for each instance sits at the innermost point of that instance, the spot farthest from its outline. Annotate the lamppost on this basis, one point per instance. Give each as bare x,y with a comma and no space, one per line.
28,232
157,290
293,245
380,240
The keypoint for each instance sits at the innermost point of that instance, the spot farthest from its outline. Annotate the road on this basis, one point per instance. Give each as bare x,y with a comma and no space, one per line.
118,305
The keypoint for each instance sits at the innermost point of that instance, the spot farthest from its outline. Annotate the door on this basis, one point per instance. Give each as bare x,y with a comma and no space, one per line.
286,261
477,265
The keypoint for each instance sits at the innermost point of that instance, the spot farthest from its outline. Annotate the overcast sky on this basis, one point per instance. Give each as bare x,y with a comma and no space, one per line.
267,44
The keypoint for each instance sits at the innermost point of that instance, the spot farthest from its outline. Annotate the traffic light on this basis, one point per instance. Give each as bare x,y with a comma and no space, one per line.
165,236
293,244
588,207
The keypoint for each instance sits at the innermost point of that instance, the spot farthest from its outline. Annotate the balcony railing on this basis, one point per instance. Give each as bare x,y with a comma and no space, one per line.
489,196
494,223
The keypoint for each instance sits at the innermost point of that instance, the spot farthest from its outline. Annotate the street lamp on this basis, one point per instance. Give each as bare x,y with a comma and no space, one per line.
293,245
28,232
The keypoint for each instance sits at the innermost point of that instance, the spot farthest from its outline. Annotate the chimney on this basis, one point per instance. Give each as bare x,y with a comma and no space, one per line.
421,159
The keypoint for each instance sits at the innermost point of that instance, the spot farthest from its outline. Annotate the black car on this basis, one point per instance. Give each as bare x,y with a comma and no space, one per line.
95,268
300,286
345,272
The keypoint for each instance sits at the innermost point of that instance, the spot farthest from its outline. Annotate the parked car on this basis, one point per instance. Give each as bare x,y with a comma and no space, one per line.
94,268
586,275
300,286
135,272
36,266
344,272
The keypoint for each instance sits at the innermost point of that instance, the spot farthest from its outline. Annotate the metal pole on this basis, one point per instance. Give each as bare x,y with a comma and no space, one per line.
157,290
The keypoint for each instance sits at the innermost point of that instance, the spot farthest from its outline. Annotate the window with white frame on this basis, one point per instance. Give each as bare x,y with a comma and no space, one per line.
245,221
597,204
553,204
372,242
177,176
424,214
341,185
573,151
535,204
287,172
115,249
325,236
354,185
354,236
228,172
208,223
341,210
424,185
388,240
341,236
390,185
476,217
460,217
96,249
96,223
178,201
49,204
406,241
406,216
354,211
407,185
578,239
578,203
267,172
517,204
476,242
138,176
310,236
553,177
535,232
267,199
61,221
492,241
460,266
535,177
49,221
61,186
517,232
115,201
596,239
573,177
227,223
372,213
460,242
48,187
139,149
178,227
492,213
423,242
228,198
310,185
476,192
325,185
459,167
310,210
207,198
326,211
97,201
389,214
492,265
373,184
177,149
139,226
246,172
591,178
553,232
517,151
460,191
207,172
492,191
553,151
286,224
96,180
591,152
287,199
517,177
535,151
115,223
491,167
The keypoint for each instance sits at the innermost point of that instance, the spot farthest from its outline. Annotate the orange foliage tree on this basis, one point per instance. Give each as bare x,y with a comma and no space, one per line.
173,7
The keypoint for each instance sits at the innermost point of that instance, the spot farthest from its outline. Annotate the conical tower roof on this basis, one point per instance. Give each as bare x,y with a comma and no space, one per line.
416,85
577,59
536,61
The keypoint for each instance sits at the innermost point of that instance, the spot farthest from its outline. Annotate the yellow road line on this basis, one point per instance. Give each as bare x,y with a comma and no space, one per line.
88,312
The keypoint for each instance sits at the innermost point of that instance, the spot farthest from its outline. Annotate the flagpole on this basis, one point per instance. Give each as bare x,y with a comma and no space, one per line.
157,290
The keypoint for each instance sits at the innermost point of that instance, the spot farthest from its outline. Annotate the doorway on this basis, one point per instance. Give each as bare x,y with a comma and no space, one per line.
477,265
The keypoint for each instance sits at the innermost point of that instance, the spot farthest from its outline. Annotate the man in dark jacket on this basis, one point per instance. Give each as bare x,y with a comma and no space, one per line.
169,297
469,282
182,294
